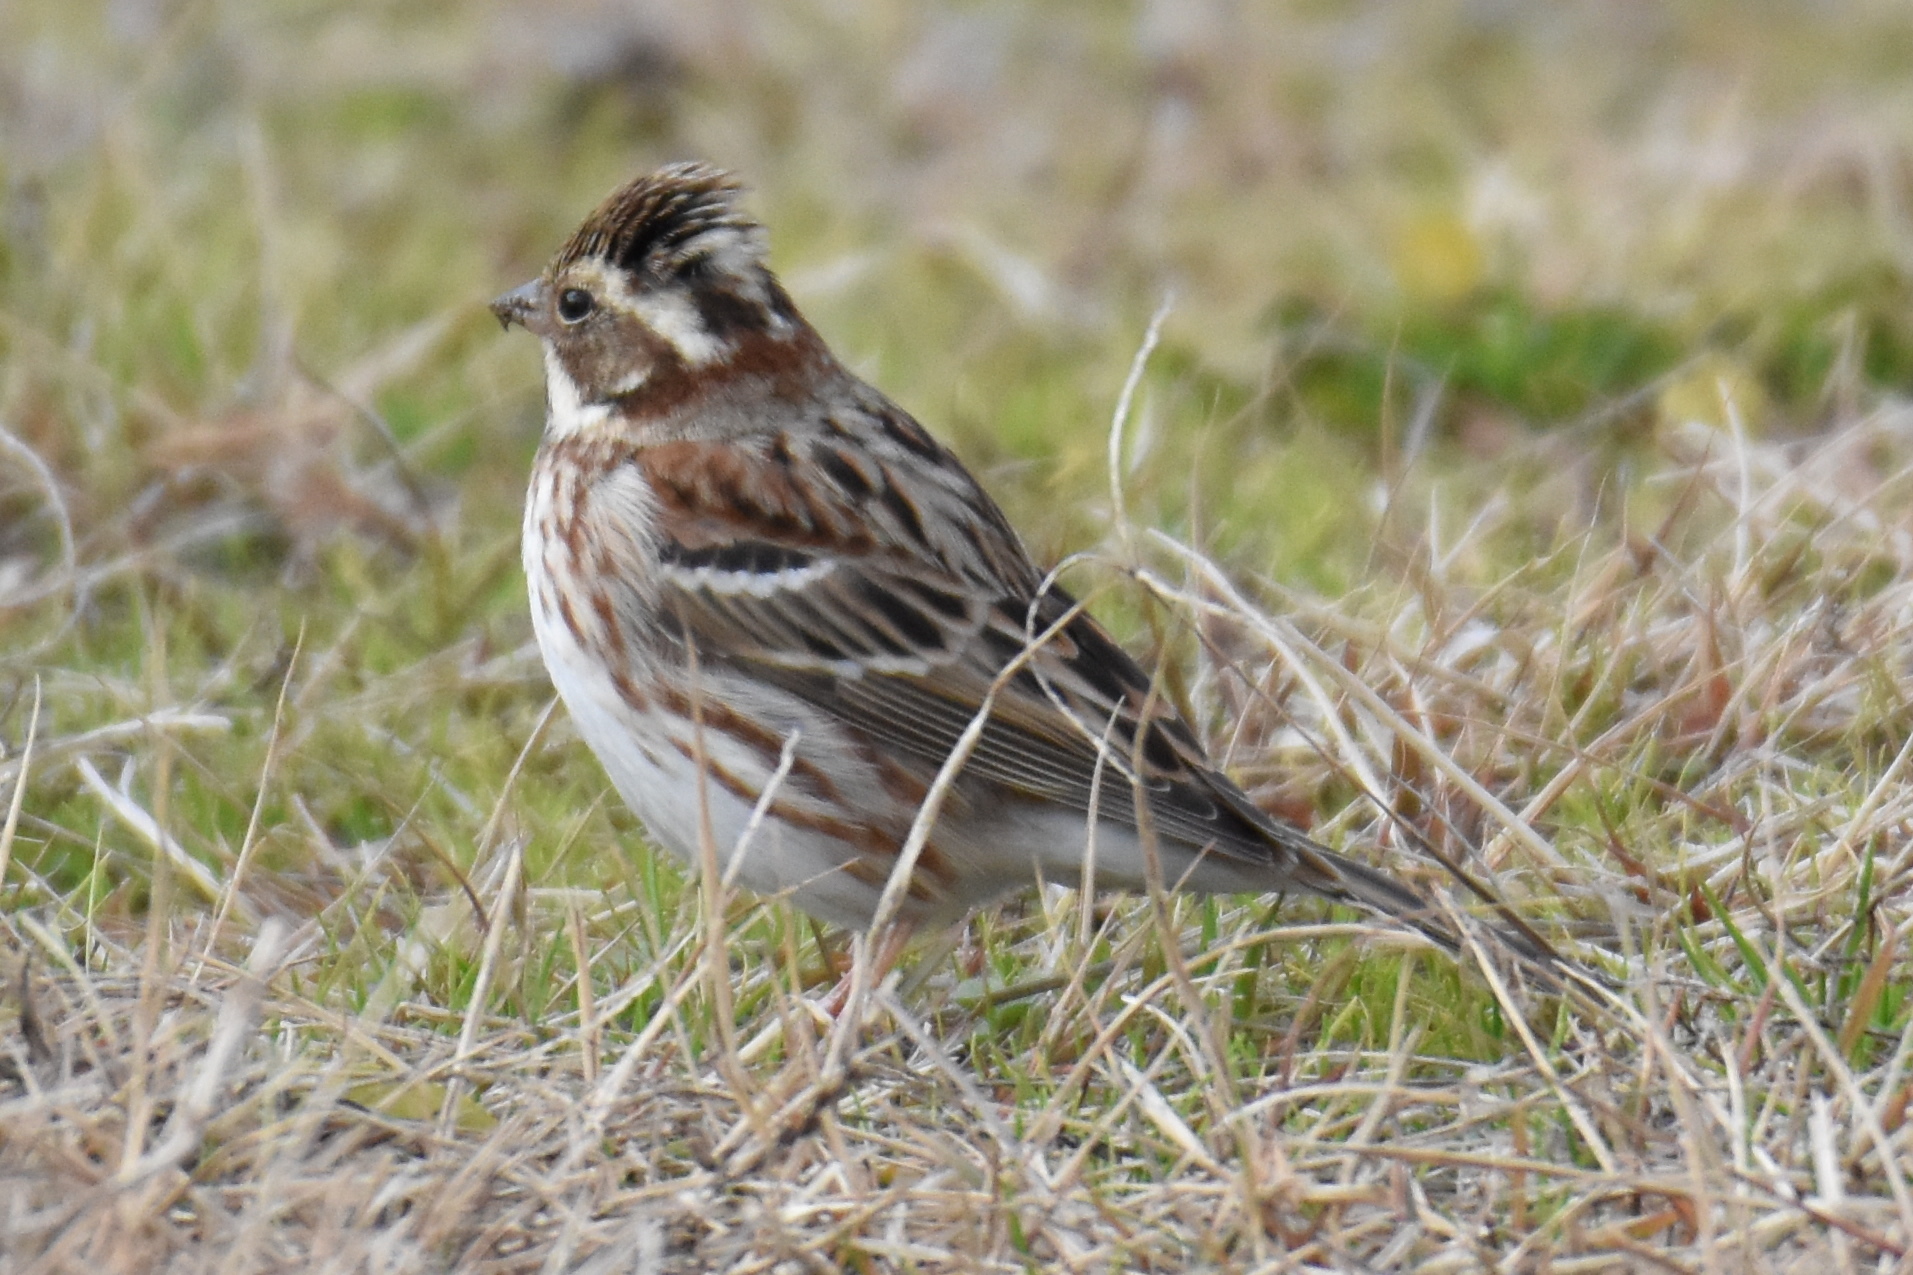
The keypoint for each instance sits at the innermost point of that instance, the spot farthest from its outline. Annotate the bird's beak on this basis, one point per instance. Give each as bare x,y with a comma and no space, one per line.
521,305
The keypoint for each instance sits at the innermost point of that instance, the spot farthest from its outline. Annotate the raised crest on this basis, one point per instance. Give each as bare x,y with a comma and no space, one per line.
654,218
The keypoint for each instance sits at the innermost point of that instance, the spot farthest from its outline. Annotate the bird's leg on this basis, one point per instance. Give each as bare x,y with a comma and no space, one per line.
874,955
878,955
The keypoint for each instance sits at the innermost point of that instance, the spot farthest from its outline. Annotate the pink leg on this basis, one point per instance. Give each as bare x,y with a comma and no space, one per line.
885,948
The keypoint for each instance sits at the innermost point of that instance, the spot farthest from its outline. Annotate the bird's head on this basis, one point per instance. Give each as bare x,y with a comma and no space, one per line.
660,294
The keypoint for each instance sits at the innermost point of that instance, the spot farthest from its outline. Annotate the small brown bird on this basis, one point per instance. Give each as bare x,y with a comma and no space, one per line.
744,560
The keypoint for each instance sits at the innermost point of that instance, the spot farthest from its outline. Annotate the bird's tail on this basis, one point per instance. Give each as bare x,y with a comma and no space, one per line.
1344,880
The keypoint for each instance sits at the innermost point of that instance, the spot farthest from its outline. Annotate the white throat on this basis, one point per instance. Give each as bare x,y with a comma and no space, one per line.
566,411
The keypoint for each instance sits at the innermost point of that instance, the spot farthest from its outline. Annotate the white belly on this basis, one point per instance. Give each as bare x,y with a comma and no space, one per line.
649,757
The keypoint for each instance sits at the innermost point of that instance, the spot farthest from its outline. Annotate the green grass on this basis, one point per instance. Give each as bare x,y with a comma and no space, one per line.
1531,384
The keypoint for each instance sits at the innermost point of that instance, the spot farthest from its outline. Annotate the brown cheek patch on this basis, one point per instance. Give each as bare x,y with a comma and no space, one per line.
603,354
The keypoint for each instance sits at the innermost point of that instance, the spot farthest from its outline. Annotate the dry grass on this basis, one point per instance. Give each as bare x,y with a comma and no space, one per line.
1736,1100
319,946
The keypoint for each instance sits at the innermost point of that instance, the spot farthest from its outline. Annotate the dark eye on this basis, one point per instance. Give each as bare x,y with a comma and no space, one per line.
574,304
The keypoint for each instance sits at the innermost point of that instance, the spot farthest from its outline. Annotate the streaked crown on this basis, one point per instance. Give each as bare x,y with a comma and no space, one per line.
662,221
660,297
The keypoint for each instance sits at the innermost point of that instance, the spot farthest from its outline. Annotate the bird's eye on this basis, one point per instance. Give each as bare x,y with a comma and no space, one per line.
574,304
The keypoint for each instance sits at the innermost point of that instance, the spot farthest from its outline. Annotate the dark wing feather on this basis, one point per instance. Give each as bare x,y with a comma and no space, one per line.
902,642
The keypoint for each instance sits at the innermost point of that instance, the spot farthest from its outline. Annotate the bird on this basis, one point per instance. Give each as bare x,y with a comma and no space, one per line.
785,617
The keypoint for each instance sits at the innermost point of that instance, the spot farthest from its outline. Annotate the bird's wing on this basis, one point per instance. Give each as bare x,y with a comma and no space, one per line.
898,607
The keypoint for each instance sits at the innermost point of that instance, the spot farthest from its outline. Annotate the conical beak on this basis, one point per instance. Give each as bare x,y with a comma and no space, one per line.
521,305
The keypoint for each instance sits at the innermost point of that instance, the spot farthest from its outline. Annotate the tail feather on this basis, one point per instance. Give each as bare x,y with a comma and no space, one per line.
1352,882
1344,880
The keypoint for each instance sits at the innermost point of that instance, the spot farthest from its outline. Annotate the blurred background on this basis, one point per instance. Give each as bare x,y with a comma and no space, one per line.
255,416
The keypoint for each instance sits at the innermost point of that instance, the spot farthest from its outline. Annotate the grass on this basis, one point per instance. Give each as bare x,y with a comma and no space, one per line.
1523,464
